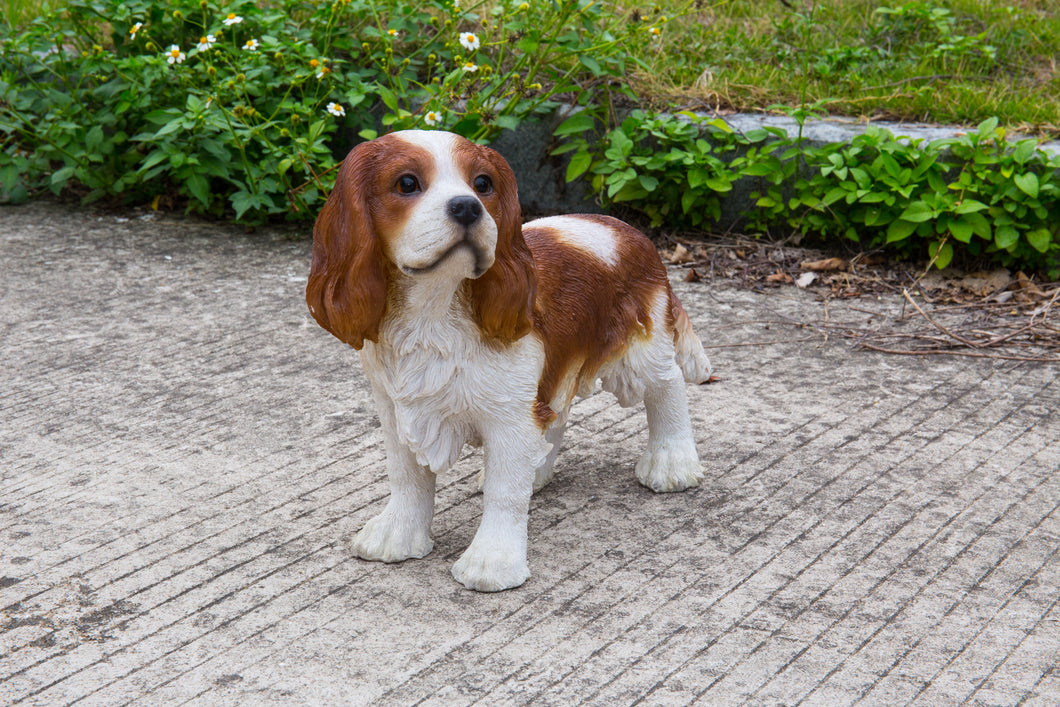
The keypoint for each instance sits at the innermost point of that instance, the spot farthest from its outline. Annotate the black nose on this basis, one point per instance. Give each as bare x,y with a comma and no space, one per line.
465,210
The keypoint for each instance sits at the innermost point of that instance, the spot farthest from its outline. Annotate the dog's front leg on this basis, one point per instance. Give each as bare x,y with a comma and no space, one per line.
403,530
496,558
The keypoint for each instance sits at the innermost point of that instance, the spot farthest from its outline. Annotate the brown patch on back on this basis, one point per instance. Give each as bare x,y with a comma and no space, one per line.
586,311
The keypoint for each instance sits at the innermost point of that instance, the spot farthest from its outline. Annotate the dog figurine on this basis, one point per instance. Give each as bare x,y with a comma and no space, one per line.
475,328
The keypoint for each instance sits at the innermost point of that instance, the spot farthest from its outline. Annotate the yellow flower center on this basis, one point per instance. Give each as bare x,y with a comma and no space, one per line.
231,15
202,40
174,52
314,63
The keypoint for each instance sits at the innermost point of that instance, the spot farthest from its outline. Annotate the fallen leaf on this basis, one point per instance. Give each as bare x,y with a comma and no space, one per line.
825,265
983,284
692,276
1026,286
779,277
806,279
681,255
931,281
1000,297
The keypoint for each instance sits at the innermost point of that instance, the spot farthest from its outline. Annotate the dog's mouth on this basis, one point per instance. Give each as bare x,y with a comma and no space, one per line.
482,260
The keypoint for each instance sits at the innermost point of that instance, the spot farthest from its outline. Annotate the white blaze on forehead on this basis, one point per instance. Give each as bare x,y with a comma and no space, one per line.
440,144
594,238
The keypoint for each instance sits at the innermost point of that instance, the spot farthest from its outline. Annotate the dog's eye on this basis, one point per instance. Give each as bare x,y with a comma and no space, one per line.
483,184
407,184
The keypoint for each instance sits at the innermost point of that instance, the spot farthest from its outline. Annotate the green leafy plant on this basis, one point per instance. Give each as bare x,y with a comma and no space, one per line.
977,194
242,107
933,32
221,109
671,168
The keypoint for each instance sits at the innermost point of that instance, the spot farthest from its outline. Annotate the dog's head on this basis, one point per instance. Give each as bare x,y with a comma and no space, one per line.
421,204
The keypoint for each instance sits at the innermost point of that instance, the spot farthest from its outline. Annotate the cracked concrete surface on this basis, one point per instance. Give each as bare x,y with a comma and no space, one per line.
184,455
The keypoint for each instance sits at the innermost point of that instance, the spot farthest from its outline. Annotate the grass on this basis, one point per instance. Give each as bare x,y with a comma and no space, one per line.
943,61
19,12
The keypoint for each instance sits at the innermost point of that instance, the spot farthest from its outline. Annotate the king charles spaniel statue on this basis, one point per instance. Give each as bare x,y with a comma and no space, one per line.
474,328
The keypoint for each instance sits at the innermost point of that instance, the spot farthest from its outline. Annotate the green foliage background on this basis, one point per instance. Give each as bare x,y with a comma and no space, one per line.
977,195
117,99
241,110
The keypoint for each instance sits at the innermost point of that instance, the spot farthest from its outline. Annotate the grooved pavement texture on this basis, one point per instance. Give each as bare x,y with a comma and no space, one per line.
184,455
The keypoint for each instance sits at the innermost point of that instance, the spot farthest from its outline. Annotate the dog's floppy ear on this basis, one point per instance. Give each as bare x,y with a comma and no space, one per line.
347,285
503,297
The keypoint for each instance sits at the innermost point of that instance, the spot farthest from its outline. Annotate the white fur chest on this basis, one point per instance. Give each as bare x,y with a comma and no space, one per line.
445,384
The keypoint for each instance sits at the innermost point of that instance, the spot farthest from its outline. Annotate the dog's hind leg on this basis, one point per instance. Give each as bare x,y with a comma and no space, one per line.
653,370
554,436
671,462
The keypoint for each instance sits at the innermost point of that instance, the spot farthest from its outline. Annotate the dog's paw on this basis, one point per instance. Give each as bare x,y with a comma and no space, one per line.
386,538
490,569
670,468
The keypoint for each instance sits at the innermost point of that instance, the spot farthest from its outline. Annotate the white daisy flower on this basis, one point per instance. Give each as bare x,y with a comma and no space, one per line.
252,45
205,42
469,67
470,41
336,110
134,29
174,55
232,19
432,117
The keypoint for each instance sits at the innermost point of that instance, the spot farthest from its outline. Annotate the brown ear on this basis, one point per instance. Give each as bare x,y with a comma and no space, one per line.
347,285
503,297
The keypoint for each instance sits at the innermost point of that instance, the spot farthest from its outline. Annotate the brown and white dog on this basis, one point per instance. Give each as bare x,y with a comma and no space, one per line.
474,328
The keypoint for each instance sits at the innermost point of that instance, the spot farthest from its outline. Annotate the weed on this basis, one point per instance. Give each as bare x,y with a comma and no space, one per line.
977,194
240,107
959,61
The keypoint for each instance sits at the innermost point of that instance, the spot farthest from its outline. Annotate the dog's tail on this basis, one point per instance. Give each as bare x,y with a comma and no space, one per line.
688,349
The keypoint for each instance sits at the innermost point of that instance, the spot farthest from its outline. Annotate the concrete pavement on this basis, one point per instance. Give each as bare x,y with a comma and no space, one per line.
184,455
